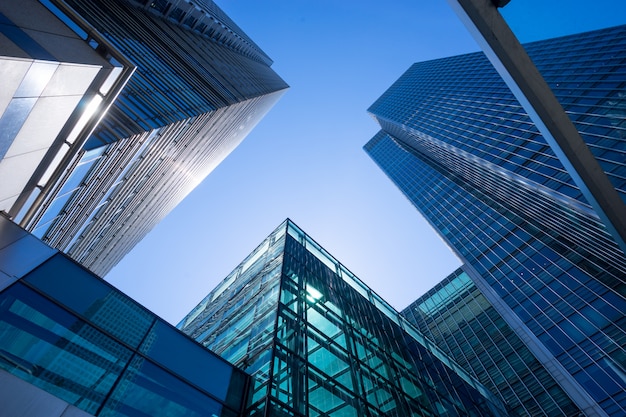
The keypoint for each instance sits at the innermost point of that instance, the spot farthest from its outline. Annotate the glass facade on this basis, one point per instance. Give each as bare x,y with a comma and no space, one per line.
318,342
68,332
455,315
458,145
198,88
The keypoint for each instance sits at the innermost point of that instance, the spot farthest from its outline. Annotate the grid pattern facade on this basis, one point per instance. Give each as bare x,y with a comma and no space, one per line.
68,332
462,150
318,342
455,315
192,99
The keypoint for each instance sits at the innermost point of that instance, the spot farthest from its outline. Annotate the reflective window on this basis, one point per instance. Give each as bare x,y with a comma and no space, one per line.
147,390
52,349
166,346
92,298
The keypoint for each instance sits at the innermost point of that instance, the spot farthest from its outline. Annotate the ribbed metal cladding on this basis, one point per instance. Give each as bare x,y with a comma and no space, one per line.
177,159
180,73
190,102
206,18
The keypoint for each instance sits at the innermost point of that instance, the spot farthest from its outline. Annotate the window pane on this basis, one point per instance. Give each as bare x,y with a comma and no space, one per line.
191,361
89,296
54,350
146,390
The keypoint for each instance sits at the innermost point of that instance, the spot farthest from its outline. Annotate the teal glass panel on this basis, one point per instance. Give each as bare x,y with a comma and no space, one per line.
172,349
326,398
92,298
147,390
54,350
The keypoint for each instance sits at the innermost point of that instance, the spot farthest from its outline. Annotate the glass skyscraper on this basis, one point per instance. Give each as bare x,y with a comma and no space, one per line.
458,318
183,87
461,148
318,342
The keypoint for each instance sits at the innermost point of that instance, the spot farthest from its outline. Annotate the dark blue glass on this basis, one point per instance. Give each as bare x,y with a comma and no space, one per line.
170,348
147,390
92,298
54,350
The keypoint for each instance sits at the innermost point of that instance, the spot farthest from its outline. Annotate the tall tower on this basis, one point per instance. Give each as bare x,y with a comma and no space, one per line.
191,86
458,318
318,342
461,148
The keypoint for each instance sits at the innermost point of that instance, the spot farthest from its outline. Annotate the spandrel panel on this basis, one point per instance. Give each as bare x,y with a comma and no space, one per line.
22,255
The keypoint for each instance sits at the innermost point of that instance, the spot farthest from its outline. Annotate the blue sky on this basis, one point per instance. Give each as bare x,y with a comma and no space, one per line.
305,159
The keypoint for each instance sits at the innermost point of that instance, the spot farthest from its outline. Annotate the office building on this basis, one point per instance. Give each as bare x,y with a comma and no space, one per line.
160,93
319,342
72,345
461,148
457,317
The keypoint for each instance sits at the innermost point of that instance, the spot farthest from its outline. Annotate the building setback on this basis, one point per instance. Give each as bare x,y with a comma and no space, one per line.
318,342
187,87
460,147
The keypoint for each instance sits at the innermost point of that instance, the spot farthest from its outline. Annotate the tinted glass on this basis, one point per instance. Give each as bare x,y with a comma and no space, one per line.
87,295
147,390
191,361
54,350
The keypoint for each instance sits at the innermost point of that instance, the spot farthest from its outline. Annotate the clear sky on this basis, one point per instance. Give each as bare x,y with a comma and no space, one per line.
305,159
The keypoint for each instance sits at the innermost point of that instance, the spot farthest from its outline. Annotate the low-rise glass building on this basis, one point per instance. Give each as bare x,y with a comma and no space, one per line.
318,342
66,332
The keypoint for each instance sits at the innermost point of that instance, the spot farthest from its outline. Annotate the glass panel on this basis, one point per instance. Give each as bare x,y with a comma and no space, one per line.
260,251
325,326
324,402
54,350
191,361
146,390
295,232
354,282
84,293
321,254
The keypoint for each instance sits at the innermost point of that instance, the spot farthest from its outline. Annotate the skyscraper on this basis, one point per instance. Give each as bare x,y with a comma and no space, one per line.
457,317
318,342
463,150
190,86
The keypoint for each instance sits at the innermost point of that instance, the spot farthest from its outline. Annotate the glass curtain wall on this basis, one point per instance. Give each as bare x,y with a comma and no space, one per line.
66,331
462,322
319,342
